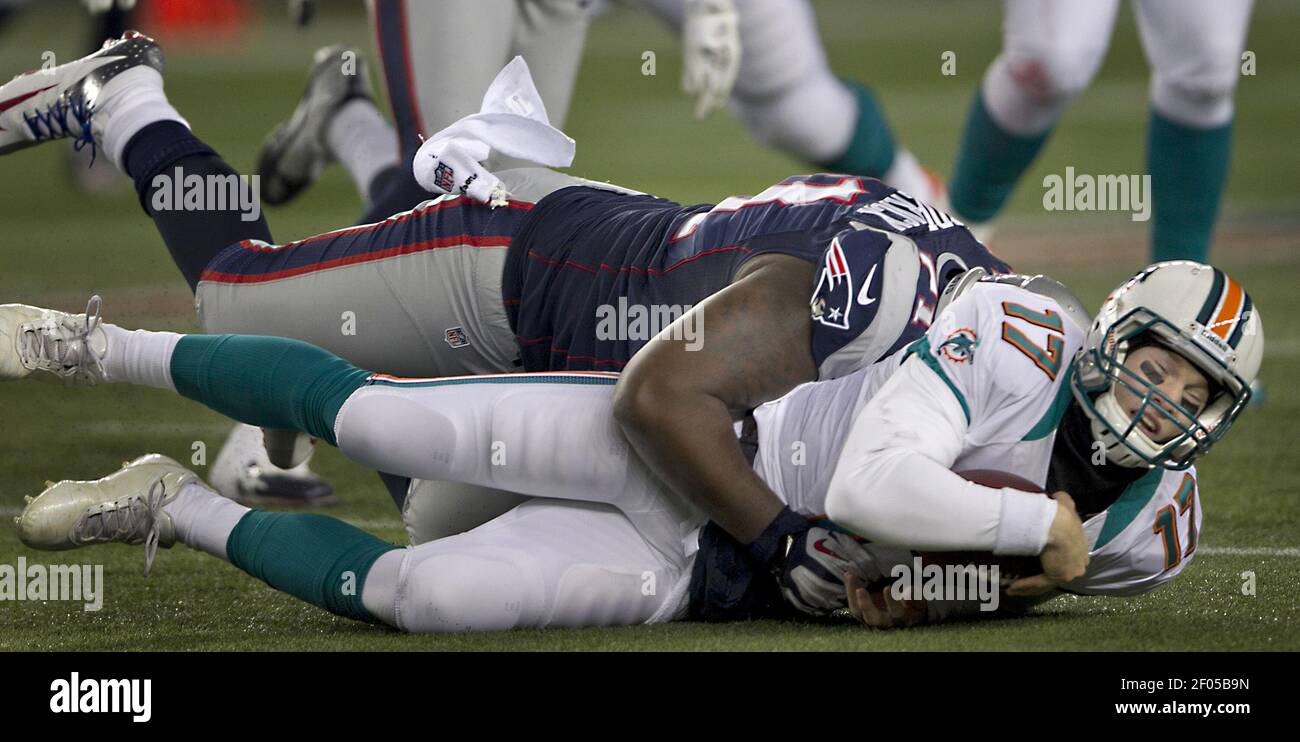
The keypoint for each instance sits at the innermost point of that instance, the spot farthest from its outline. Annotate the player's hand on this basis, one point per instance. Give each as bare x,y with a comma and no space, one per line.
880,610
103,6
711,53
811,574
1064,558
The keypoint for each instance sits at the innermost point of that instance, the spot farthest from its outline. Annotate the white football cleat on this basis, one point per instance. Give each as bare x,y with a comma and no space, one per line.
123,507
264,467
70,346
295,153
62,101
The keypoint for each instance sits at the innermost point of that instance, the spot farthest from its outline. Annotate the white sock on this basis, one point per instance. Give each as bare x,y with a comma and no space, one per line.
204,519
907,175
131,101
362,141
140,356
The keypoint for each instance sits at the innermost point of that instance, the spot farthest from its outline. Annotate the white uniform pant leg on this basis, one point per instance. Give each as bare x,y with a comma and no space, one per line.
550,36
785,93
1051,50
546,563
540,435
1194,47
434,510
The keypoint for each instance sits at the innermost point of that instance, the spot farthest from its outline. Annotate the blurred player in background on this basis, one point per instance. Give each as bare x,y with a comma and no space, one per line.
765,56
1051,51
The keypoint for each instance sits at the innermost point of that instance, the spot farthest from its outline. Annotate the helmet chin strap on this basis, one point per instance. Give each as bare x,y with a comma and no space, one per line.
1120,452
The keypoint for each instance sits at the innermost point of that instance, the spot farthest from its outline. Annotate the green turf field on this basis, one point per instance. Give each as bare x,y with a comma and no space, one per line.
57,247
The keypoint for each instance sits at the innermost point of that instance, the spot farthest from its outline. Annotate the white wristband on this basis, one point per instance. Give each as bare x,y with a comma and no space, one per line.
1025,522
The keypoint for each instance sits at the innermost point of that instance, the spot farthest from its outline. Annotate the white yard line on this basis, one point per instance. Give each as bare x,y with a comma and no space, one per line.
1268,551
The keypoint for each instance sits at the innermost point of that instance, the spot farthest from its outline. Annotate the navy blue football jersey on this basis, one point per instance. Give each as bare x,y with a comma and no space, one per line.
593,274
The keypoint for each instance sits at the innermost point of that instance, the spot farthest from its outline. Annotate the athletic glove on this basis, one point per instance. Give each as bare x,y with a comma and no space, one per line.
809,562
710,53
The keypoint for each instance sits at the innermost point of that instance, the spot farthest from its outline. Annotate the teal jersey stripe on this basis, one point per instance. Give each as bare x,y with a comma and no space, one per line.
572,379
1052,418
921,348
1122,512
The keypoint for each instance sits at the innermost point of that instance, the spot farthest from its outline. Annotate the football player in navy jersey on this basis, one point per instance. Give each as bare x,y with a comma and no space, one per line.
455,287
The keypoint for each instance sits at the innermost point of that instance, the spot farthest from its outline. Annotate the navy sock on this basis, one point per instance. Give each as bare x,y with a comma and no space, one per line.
394,190
193,236
990,162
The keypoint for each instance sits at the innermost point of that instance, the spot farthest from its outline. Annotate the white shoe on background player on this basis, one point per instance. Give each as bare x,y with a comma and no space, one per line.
70,346
123,507
296,152
245,472
65,101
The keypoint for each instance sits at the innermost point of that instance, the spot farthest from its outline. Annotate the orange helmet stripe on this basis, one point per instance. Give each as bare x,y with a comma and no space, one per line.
1229,310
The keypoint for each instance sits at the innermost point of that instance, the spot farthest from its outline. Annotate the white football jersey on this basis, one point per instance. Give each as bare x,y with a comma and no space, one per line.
1002,351
1004,354
1145,538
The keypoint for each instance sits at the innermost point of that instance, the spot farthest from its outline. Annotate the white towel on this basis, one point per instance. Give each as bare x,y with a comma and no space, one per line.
512,121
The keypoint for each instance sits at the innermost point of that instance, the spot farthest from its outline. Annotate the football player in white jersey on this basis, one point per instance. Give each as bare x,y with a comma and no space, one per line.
1006,378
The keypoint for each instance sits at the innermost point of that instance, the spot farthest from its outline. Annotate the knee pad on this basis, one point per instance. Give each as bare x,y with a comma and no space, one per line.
1201,97
383,429
1054,76
446,592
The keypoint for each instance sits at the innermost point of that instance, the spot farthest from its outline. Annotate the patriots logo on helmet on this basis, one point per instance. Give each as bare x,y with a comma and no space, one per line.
833,297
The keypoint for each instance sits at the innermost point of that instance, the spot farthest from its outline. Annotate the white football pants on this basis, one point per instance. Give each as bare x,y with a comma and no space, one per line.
609,544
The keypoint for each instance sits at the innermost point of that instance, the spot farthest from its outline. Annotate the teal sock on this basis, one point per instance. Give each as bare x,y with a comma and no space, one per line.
266,381
1188,170
871,150
319,559
990,162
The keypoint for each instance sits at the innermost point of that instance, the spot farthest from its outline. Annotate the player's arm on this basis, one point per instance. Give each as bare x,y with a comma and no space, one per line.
677,406
893,482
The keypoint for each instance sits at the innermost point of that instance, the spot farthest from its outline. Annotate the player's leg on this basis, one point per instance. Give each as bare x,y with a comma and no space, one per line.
1051,49
545,563
432,509
113,102
417,294
544,435
336,119
550,36
132,125
437,61
1194,48
789,99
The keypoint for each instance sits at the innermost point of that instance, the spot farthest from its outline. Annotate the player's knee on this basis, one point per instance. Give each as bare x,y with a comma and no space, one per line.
1054,76
456,592
1201,97
384,430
